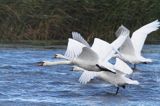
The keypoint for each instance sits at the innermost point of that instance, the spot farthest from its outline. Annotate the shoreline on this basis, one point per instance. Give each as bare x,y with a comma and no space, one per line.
46,44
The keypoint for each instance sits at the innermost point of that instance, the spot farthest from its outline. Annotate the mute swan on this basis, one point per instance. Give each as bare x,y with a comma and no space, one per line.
75,36
131,49
89,58
117,79
99,46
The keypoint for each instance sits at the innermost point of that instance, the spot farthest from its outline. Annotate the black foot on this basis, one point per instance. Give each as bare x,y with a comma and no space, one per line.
117,90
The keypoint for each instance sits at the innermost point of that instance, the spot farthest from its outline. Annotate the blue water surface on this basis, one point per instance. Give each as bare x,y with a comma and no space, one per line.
23,83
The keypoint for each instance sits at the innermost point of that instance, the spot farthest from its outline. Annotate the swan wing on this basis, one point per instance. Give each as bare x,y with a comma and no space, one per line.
108,66
139,36
102,48
122,67
74,49
87,76
122,33
127,47
88,56
124,44
77,36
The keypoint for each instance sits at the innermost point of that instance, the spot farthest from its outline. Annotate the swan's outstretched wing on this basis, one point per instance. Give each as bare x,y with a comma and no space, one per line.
105,50
139,36
74,48
88,56
77,36
102,48
122,33
87,76
122,67
126,46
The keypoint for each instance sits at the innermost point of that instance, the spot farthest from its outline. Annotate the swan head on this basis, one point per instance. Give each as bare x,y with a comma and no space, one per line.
58,56
40,63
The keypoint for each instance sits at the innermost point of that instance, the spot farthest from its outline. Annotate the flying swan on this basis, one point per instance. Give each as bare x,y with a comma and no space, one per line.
117,79
131,49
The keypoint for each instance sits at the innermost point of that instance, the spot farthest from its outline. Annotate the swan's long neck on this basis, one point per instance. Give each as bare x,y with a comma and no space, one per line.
49,63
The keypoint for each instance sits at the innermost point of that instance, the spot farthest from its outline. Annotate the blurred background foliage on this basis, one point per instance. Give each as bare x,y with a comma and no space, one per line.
56,19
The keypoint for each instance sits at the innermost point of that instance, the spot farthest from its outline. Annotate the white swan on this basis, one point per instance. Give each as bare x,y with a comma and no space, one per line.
117,79
74,48
131,49
97,55
99,46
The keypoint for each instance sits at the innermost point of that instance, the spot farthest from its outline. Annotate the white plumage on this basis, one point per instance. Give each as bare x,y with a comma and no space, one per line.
131,49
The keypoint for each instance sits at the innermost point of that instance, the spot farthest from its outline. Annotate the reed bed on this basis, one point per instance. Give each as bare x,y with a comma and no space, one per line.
56,19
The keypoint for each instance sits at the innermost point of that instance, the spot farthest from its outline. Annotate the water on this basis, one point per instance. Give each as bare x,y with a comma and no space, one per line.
22,83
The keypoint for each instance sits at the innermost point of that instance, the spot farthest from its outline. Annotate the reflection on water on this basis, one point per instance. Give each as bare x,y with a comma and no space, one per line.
24,83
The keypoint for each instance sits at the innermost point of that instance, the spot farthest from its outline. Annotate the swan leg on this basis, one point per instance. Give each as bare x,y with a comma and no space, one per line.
134,67
117,90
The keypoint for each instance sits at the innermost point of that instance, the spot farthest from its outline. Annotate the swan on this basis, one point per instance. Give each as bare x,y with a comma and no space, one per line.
131,49
74,48
76,37
76,44
117,79
97,55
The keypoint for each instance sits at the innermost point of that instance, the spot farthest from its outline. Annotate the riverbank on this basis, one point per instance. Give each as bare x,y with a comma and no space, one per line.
47,44
51,43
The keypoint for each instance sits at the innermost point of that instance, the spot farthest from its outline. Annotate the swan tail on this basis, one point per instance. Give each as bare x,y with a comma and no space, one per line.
133,82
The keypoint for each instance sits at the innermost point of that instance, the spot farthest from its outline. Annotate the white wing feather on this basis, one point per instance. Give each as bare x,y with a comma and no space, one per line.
77,36
87,76
122,67
122,34
126,46
105,50
87,56
139,36
102,48
74,48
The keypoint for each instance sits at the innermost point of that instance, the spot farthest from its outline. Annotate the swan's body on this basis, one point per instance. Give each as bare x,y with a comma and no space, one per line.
131,49
117,79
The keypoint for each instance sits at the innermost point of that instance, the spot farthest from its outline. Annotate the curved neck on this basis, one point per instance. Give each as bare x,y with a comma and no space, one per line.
49,63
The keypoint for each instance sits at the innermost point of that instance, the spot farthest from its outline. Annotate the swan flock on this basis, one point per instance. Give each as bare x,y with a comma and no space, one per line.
93,60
